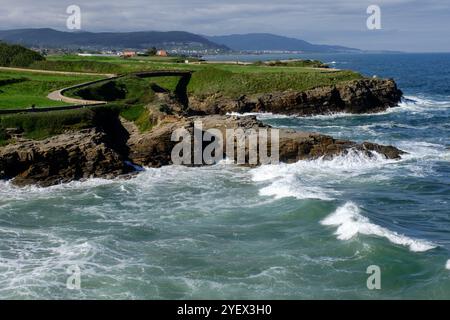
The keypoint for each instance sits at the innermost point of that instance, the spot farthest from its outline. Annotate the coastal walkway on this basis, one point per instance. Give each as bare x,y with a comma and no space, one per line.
58,95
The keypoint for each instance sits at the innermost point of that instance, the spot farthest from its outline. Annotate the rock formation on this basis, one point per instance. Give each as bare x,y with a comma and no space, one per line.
356,96
63,158
113,145
94,153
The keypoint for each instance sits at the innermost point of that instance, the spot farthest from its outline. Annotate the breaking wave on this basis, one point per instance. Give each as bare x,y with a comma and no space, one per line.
260,115
313,179
350,223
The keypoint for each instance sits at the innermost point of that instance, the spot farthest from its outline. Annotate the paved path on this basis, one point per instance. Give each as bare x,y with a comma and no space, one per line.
58,95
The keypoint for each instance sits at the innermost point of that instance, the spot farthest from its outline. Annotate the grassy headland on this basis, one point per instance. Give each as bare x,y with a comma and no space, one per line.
130,95
230,80
22,89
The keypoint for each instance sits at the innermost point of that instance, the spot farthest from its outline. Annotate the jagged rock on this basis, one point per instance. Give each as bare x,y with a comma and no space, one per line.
63,158
104,151
154,148
96,153
357,96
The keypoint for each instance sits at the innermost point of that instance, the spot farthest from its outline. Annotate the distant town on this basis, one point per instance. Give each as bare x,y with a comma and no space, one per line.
129,53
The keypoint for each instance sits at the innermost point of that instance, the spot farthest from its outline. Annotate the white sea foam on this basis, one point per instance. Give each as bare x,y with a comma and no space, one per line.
260,115
314,178
11,192
413,104
447,265
350,223
282,189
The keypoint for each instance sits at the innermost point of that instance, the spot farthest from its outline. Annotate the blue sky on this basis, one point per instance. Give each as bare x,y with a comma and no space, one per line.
407,25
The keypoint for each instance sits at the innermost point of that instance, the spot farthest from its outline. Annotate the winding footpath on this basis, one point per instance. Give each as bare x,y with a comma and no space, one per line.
58,95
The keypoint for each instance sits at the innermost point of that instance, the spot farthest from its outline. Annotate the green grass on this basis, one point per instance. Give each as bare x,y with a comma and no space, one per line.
129,90
293,63
129,95
230,80
132,113
42,125
138,113
79,66
23,89
233,82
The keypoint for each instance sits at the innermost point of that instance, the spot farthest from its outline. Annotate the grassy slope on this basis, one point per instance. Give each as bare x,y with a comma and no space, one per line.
22,89
42,125
33,88
229,80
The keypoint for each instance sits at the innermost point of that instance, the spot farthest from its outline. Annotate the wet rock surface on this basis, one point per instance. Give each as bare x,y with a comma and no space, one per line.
92,153
63,158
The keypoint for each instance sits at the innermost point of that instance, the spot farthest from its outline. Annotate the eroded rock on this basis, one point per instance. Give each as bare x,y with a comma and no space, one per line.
63,158
357,96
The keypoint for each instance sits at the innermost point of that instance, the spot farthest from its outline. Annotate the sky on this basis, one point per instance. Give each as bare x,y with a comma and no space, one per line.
406,25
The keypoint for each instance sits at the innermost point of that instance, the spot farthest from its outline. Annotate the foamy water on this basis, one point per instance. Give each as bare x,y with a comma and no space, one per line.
295,231
350,223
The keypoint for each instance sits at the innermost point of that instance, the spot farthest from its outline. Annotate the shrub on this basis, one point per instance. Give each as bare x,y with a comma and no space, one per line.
43,125
17,56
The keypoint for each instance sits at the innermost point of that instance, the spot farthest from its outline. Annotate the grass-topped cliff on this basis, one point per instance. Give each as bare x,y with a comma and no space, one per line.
211,88
22,89
230,80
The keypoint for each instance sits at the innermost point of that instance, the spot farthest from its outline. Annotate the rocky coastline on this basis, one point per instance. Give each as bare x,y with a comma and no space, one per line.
356,96
115,148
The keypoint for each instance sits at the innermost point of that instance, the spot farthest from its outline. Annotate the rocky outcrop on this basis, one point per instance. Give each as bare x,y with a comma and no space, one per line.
112,147
63,158
154,148
357,96
101,153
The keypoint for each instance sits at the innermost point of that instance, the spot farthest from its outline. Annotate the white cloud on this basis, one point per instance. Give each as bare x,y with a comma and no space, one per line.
327,19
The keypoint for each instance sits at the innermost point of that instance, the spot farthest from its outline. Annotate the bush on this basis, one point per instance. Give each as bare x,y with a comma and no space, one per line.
79,66
17,56
43,125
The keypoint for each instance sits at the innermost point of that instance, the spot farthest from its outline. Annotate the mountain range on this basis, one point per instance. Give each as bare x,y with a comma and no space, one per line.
272,42
50,38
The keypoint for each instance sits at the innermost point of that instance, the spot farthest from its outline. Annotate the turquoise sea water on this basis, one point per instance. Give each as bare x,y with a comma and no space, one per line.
304,230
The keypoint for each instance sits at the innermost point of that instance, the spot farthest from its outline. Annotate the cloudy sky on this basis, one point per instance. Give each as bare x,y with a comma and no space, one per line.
407,25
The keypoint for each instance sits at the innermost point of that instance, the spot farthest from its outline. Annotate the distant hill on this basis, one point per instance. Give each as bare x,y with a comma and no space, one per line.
50,38
17,56
267,41
136,40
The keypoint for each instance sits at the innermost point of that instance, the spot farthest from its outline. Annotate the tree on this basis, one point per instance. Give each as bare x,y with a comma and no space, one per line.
17,56
152,51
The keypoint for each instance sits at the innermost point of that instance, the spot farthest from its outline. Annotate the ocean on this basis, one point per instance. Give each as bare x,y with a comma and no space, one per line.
308,230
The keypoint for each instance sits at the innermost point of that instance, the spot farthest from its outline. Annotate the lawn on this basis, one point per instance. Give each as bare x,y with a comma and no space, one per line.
230,80
23,89
129,95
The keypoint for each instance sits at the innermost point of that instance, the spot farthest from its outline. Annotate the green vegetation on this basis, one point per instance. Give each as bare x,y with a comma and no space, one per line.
252,79
136,99
22,89
42,125
230,80
129,90
140,115
131,96
293,63
17,56
78,66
